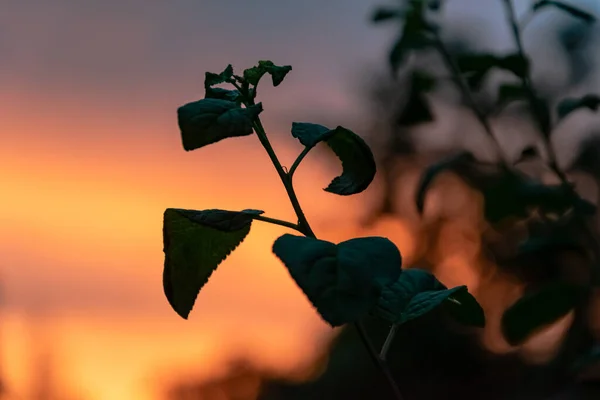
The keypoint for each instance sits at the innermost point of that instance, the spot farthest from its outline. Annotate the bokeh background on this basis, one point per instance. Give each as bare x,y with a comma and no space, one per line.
90,156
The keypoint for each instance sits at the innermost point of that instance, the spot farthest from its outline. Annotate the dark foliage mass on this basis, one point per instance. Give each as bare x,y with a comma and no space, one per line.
545,235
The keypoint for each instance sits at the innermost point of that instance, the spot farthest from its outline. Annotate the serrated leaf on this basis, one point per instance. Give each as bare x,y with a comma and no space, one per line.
278,73
223,220
343,281
223,94
194,248
211,79
427,178
208,121
358,163
385,14
575,12
569,105
418,292
536,310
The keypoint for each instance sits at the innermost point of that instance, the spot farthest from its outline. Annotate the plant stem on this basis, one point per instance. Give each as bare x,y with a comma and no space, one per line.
303,225
388,342
298,161
277,222
546,130
379,361
304,228
466,92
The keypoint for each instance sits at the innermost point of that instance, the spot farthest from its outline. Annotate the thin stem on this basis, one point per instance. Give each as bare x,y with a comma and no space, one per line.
464,88
388,342
546,129
285,178
298,161
305,229
379,362
277,222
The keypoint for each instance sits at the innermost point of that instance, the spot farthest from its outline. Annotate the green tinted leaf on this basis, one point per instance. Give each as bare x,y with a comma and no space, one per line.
223,94
575,12
278,73
342,281
427,178
210,120
418,292
386,14
194,247
310,134
536,310
569,105
358,163
211,79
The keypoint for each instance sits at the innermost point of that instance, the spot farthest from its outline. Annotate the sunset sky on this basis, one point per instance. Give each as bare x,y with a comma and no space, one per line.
90,156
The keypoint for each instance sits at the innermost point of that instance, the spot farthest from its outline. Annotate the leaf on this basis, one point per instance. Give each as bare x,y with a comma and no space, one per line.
343,281
385,14
569,105
310,134
195,243
514,63
405,44
278,73
208,121
358,163
427,178
418,292
211,79
575,12
223,94
536,310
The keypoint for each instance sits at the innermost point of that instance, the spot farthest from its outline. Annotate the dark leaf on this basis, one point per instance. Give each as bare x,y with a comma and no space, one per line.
194,248
211,79
358,163
536,310
515,63
569,105
343,281
278,73
575,12
418,292
310,134
208,121
386,14
475,67
404,45
223,94
427,178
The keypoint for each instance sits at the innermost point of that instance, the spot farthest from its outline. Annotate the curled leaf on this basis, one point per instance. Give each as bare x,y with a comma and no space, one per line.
210,120
343,281
278,73
358,163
